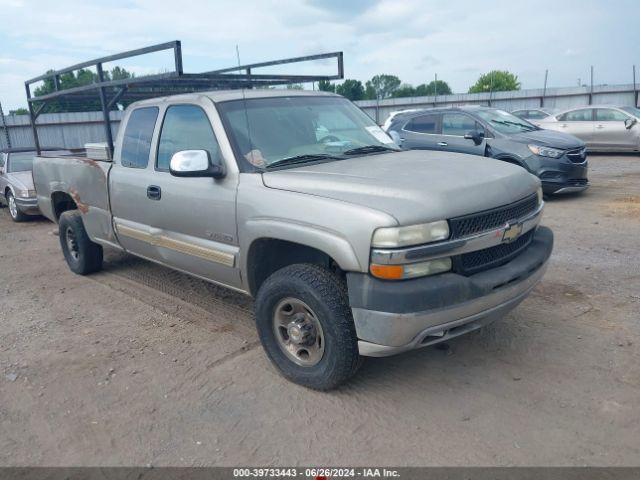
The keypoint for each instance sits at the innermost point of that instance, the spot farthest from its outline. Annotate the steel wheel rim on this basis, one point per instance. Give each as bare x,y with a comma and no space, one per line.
298,332
72,243
13,208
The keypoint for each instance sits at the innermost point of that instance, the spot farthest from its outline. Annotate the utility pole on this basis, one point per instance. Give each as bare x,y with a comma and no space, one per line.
6,129
490,86
635,88
591,89
435,91
544,89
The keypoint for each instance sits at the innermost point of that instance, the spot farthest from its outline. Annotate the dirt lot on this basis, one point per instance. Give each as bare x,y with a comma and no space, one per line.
140,365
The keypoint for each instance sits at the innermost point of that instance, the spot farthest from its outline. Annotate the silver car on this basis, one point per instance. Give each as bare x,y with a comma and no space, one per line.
16,181
602,127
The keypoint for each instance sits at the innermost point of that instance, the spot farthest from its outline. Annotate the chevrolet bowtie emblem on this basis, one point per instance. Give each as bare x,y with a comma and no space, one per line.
511,232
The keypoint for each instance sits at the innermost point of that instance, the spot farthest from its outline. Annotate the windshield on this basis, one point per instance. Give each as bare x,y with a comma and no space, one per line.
278,129
20,162
505,122
633,111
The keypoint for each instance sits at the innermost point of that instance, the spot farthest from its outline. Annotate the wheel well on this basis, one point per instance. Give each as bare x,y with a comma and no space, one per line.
61,202
267,255
6,191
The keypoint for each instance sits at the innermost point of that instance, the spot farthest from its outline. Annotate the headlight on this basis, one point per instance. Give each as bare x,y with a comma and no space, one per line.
393,237
546,151
412,270
26,193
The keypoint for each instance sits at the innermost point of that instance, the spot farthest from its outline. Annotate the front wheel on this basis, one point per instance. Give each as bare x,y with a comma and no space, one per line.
306,328
82,255
14,211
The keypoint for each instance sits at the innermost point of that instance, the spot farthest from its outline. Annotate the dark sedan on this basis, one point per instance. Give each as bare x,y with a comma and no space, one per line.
558,159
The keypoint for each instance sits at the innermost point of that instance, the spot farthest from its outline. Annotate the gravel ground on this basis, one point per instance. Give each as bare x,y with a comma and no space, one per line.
141,365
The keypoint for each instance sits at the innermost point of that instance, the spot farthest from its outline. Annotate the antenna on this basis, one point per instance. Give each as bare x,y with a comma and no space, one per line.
246,113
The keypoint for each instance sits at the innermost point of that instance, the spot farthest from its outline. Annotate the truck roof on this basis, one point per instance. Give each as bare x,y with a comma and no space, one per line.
228,95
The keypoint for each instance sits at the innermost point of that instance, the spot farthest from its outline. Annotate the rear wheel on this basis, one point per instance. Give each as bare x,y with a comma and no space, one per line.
14,210
306,328
82,255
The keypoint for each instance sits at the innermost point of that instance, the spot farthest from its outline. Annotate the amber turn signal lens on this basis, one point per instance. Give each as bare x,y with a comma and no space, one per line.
387,272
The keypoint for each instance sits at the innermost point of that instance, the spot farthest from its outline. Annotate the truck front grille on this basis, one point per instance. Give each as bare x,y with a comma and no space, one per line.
474,262
494,218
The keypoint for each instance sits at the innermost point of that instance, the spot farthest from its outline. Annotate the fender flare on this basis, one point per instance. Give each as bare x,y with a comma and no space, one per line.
325,240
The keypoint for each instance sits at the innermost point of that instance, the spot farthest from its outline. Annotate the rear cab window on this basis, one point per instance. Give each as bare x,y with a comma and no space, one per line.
136,143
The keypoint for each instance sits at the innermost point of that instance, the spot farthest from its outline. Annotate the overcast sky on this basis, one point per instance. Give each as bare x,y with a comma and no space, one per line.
412,39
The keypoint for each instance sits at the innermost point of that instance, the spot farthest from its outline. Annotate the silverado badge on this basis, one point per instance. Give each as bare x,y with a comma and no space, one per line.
511,232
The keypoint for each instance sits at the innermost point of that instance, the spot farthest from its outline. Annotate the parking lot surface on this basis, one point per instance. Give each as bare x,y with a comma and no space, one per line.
140,365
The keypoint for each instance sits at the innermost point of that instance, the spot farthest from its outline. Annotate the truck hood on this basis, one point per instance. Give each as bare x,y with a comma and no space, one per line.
412,186
21,180
548,138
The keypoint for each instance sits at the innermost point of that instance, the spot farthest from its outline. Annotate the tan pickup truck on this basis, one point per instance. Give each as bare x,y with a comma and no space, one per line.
350,246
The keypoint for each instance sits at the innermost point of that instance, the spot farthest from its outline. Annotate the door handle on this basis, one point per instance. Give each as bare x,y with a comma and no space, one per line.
443,144
564,125
154,192
599,127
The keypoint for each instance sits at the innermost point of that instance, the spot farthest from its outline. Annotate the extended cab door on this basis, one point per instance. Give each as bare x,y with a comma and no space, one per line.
129,183
193,220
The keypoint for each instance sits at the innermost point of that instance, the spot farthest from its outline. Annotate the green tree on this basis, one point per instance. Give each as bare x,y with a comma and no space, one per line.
352,89
496,81
404,90
433,88
79,78
19,111
381,86
326,86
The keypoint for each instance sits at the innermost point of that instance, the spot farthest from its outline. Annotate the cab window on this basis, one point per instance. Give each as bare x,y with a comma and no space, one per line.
186,127
423,124
584,115
136,143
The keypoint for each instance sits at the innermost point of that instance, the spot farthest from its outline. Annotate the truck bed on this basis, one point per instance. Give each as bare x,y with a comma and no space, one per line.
82,180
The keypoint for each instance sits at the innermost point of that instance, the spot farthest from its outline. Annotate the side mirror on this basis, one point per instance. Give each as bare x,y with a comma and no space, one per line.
630,122
477,137
194,163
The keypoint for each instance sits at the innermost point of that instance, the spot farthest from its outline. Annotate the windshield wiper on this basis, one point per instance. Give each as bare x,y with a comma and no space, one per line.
309,157
369,149
521,125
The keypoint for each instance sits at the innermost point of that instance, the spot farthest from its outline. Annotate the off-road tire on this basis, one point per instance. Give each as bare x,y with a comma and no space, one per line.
326,294
87,258
18,216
